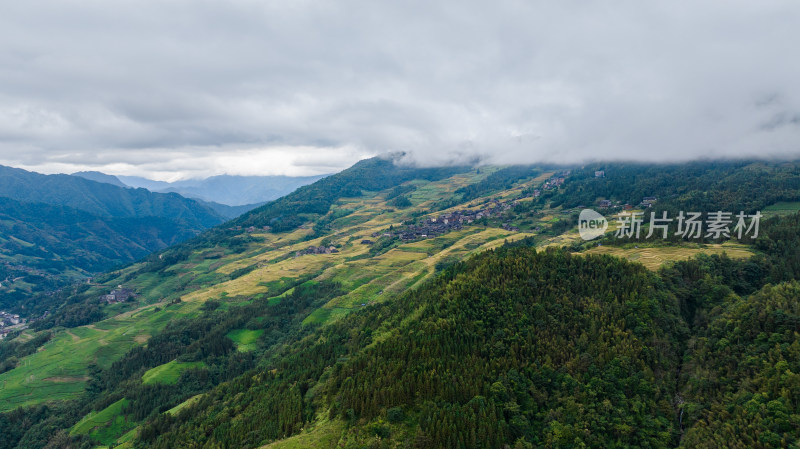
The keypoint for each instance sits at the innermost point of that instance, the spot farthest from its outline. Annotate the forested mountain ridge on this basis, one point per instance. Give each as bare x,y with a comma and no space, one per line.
510,347
103,199
373,174
746,383
724,185
535,349
100,177
431,321
43,246
227,189
60,228
223,210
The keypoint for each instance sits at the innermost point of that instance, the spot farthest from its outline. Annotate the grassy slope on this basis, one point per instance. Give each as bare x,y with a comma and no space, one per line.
323,434
654,257
106,425
168,373
781,208
59,369
245,339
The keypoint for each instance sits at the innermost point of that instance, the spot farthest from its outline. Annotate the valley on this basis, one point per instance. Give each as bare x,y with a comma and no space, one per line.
246,300
271,267
399,225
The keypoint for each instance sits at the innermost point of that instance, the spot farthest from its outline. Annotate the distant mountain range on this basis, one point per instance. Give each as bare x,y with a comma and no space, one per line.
227,190
103,199
101,177
43,245
54,228
58,227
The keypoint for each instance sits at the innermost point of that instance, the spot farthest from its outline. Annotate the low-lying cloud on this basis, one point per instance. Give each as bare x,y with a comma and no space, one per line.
186,88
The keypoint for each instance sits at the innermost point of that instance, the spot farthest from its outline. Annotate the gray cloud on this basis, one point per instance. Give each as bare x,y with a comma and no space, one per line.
192,88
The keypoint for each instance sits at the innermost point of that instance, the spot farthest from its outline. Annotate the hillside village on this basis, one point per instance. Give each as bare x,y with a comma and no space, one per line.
447,222
119,294
455,220
646,202
10,322
434,226
430,227
317,250
17,269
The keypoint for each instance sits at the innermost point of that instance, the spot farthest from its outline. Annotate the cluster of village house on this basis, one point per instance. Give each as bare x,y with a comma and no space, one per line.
647,201
553,183
431,227
317,250
9,322
24,268
8,319
119,294
448,222
453,221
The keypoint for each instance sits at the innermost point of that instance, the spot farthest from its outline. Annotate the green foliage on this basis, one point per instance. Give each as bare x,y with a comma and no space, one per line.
503,341
743,390
512,348
395,415
401,202
103,199
539,350
520,344
64,244
373,174
55,229
190,356
245,339
399,190
500,180
168,373
12,351
697,186
105,425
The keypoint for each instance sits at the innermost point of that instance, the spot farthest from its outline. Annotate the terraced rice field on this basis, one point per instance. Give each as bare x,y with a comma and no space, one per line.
655,257
168,373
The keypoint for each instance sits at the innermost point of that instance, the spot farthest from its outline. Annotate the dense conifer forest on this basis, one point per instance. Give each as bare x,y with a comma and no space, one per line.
535,349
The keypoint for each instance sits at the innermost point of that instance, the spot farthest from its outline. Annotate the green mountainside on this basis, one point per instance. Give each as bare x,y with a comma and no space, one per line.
43,246
55,229
511,346
394,307
229,211
227,189
103,199
100,177
217,187
374,174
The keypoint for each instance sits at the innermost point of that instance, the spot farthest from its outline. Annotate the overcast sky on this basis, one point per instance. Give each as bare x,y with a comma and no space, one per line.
173,89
